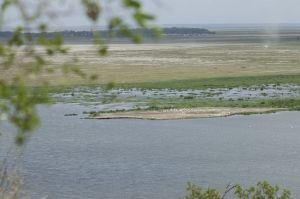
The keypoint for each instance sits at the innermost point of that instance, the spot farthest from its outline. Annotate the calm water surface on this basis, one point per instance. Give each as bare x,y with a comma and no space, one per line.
72,158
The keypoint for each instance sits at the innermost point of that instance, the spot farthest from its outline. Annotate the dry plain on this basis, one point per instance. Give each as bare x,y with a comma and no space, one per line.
128,63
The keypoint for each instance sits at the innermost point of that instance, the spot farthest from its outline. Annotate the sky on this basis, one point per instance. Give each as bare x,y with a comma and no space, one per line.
170,12
225,11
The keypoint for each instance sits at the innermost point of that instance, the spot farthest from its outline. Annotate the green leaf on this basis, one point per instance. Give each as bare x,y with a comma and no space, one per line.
142,18
17,37
132,4
92,9
6,3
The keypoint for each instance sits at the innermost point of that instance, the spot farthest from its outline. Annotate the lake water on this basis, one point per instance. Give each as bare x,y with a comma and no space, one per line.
72,158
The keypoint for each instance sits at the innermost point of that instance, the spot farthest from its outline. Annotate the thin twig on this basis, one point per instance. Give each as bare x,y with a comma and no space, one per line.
228,189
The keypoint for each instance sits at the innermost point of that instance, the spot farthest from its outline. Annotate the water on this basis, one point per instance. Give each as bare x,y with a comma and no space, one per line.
72,158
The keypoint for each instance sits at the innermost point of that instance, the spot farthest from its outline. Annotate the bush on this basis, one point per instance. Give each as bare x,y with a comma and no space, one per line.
262,190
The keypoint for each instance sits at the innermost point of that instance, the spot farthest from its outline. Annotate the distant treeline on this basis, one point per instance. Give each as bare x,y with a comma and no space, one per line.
89,35
186,31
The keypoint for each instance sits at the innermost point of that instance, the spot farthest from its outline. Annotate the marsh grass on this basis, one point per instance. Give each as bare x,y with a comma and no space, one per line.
289,103
220,82
201,83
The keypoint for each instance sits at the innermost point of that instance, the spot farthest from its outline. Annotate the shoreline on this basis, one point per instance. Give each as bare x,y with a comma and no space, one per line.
185,113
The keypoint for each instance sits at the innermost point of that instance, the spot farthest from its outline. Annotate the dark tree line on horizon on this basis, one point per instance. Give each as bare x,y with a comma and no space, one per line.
69,34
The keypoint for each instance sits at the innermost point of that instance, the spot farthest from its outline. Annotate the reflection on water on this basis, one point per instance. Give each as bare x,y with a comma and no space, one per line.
74,158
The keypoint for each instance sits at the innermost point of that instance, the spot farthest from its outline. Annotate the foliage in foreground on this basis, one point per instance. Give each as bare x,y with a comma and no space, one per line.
262,190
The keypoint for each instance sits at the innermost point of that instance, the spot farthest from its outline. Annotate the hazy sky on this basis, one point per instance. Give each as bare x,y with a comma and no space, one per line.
226,11
198,11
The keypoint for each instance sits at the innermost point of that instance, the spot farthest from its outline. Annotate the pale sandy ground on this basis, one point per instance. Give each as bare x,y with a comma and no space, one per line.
172,114
128,63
